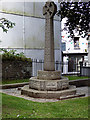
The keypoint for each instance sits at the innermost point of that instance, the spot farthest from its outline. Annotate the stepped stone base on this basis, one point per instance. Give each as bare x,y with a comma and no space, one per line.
48,85
48,94
48,75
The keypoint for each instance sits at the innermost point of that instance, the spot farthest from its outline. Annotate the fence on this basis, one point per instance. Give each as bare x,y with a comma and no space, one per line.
64,67
85,70
38,65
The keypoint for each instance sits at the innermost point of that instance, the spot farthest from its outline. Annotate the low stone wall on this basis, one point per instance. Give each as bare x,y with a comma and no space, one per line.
80,82
14,85
16,69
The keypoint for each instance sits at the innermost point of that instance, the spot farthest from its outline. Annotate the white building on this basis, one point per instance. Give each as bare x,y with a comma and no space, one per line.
75,50
28,35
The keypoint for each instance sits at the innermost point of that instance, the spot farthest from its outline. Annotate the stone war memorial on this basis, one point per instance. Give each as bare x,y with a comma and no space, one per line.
49,84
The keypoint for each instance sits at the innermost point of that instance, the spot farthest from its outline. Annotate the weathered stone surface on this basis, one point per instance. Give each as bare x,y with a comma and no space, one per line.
49,75
48,85
49,11
48,94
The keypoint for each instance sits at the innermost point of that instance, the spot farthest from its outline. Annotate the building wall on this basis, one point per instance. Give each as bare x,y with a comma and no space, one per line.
66,38
83,45
73,53
28,35
16,69
89,51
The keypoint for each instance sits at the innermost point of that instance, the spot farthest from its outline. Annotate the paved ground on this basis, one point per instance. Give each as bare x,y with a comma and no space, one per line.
16,92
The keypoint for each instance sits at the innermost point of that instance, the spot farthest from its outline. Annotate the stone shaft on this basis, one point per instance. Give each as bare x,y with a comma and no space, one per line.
49,83
49,11
49,64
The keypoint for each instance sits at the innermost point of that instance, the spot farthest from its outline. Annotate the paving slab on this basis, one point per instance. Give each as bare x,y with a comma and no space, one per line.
17,93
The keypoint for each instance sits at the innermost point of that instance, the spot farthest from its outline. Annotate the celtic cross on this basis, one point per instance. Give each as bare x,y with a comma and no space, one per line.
49,11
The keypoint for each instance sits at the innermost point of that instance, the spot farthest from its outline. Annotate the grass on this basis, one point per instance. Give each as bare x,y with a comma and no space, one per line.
14,81
27,80
76,77
14,107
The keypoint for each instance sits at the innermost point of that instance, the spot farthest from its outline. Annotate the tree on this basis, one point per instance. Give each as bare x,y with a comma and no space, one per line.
6,24
78,17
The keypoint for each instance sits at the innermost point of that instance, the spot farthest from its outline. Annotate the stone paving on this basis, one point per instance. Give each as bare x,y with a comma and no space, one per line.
17,92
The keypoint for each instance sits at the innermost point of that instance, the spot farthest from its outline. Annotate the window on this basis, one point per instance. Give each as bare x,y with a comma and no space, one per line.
76,43
63,46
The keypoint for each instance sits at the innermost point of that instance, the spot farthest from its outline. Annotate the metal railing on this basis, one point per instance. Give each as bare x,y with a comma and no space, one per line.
85,69
64,67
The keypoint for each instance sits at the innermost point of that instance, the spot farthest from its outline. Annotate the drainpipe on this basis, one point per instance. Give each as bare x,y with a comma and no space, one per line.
89,48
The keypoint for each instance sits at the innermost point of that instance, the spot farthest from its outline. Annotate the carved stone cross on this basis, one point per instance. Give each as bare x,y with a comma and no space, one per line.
49,11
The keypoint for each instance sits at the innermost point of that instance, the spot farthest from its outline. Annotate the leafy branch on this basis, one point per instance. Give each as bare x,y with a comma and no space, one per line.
78,17
6,24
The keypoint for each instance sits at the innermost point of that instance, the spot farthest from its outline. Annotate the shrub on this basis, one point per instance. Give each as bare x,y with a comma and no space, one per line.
12,55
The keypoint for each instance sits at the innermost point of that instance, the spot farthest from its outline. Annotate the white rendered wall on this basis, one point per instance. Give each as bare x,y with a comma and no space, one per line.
83,43
28,35
89,51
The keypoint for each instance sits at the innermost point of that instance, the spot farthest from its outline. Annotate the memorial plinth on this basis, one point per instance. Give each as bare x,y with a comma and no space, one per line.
49,83
49,75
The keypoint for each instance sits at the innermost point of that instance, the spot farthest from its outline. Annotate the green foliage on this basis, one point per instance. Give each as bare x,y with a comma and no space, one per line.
78,17
12,55
14,107
6,24
76,77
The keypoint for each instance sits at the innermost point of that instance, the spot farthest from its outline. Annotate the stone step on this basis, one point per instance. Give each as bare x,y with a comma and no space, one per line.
48,94
48,85
72,96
